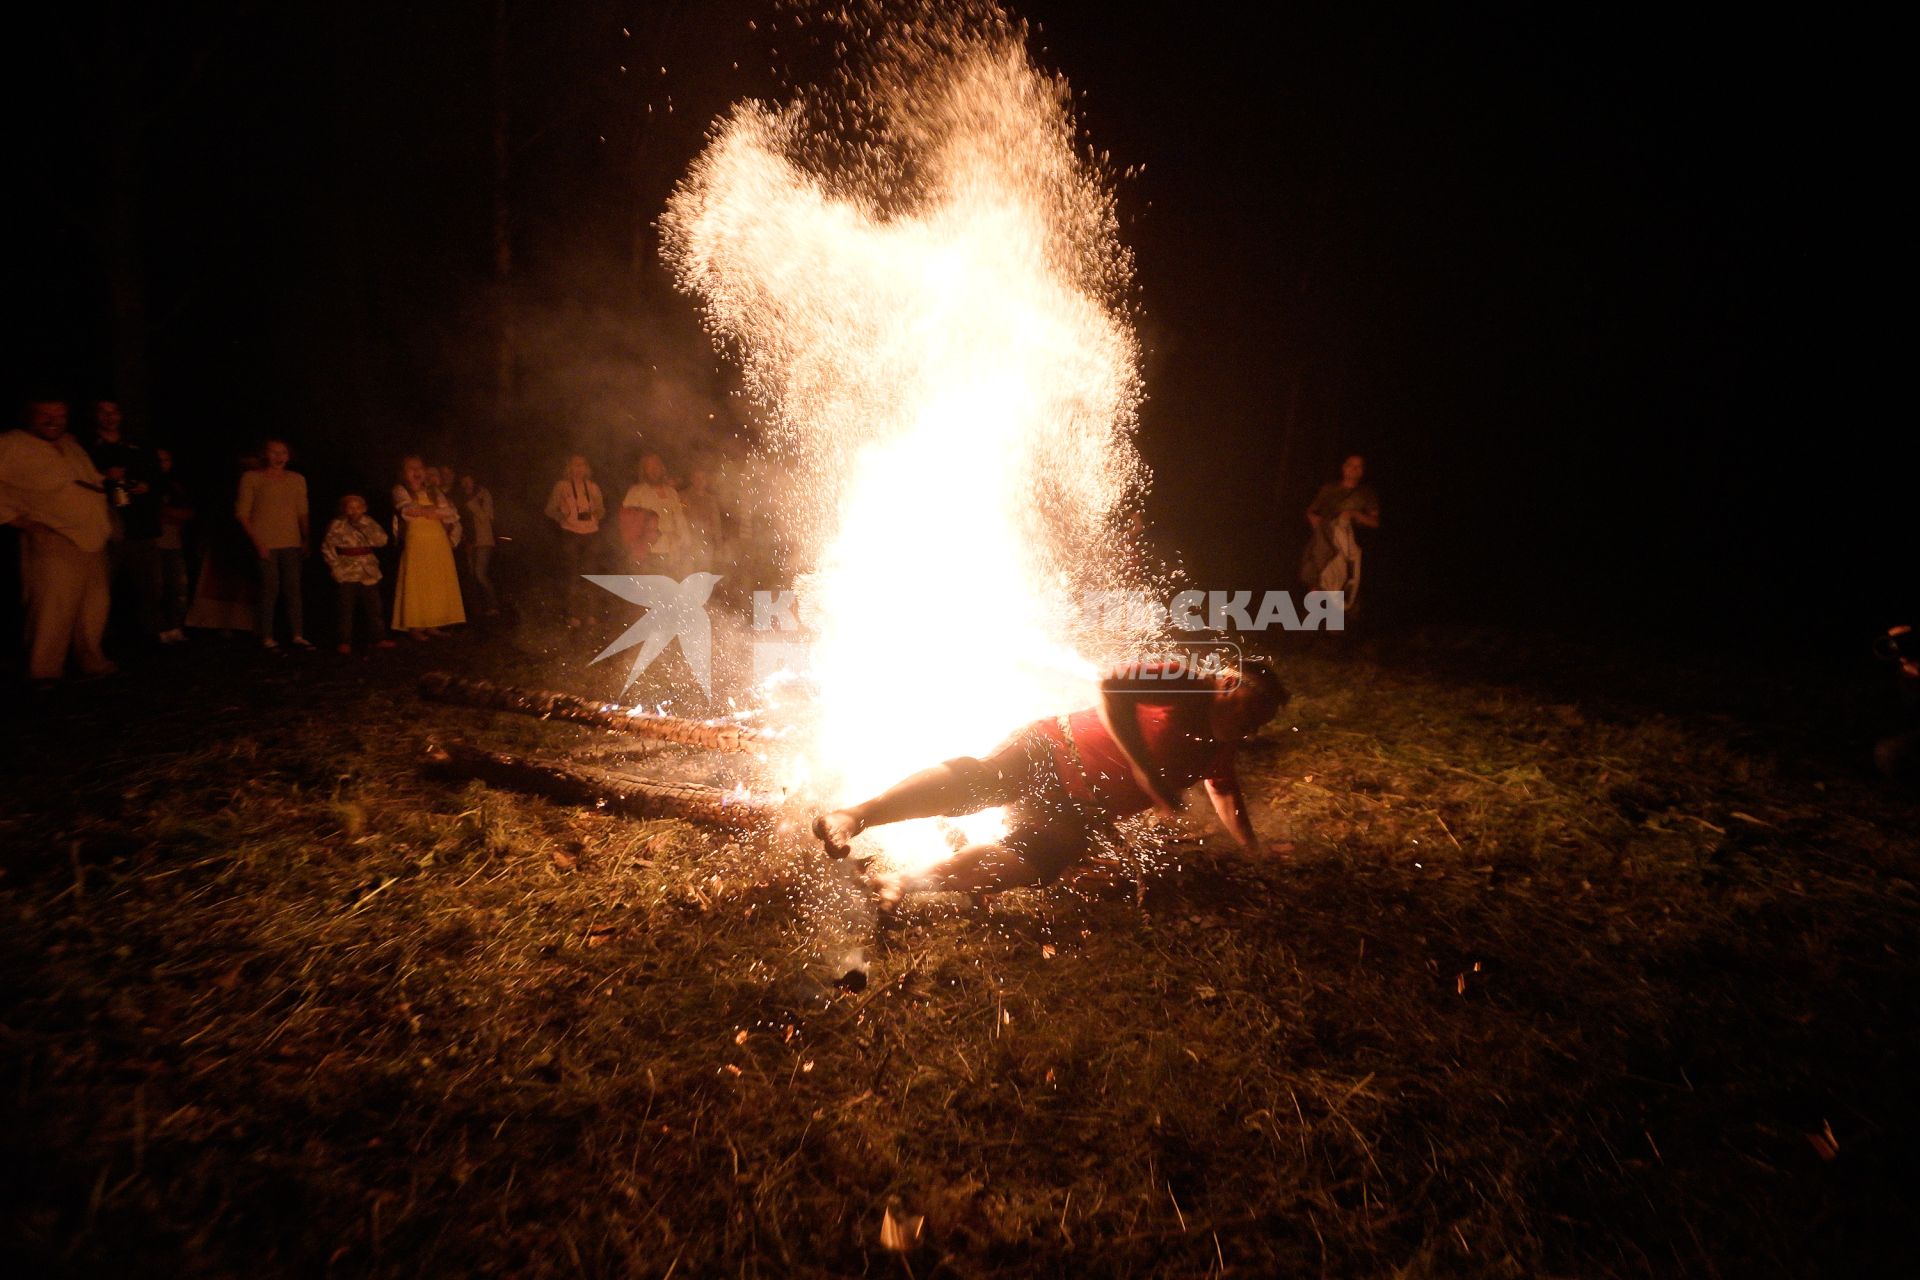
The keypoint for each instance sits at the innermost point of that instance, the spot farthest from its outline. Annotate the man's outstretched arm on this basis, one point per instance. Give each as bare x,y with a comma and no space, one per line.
1231,808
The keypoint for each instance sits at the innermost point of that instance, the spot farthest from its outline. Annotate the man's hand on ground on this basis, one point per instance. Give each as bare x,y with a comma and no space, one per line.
1155,792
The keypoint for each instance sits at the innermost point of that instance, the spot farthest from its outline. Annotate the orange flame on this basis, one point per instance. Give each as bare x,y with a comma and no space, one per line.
936,322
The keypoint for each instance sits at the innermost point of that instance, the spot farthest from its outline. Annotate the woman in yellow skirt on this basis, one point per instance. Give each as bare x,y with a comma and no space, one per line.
426,593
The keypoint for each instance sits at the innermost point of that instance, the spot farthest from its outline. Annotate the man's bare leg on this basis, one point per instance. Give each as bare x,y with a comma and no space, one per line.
977,869
980,868
945,790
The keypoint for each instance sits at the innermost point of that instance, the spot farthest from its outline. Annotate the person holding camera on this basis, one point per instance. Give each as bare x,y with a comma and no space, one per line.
577,507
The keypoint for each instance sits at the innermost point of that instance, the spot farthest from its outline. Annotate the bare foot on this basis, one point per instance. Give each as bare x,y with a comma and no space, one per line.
886,885
836,831
888,888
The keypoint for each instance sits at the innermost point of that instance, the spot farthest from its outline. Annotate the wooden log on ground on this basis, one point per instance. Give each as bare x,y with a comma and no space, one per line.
623,793
707,735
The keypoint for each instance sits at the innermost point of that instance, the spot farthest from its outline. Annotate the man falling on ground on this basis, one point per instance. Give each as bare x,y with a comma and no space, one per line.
1064,781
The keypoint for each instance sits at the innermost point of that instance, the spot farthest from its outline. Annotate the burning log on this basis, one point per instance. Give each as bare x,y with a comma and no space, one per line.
604,788
708,735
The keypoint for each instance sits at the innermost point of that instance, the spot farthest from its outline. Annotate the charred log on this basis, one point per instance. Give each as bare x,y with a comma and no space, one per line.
608,789
707,735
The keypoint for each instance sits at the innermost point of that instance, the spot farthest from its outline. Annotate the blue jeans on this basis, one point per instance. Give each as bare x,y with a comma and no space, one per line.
280,577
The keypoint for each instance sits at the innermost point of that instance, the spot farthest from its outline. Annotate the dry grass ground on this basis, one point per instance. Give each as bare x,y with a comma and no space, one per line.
1547,986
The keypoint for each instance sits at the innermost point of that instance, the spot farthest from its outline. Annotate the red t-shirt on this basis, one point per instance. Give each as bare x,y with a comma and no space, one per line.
1181,748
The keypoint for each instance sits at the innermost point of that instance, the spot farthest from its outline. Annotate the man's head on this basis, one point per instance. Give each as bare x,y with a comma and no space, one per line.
1353,470
577,469
47,418
1248,697
353,506
653,469
107,419
276,453
163,456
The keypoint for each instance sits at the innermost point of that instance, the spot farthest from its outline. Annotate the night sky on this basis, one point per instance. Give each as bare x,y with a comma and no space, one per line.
1596,293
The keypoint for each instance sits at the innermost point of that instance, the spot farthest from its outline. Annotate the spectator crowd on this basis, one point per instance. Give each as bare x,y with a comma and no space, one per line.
116,554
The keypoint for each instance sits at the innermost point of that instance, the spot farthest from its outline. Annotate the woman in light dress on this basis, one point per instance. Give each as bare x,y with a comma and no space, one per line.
426,594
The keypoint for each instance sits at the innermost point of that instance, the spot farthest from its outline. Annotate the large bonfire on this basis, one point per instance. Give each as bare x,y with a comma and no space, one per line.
920,274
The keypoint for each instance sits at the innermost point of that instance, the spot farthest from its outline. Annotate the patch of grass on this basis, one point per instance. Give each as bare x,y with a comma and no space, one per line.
1545,987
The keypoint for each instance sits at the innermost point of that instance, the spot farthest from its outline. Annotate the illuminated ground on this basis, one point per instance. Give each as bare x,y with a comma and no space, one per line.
1549,985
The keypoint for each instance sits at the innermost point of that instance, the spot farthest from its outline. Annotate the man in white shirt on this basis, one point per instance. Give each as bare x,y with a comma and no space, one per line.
672,544
50,490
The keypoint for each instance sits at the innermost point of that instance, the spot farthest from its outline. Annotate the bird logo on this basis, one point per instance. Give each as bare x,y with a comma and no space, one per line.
674,611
